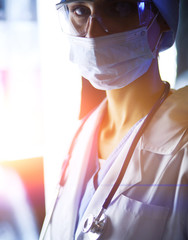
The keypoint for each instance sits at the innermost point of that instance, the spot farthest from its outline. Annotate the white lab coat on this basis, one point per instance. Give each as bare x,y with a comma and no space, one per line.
152,200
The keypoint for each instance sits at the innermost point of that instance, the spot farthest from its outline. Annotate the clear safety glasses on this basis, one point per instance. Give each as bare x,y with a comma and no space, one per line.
113,15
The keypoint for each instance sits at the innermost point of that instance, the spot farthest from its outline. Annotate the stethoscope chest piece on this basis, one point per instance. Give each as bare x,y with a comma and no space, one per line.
94,227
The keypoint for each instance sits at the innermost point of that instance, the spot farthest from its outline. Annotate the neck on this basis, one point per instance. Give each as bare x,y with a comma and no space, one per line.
129,104
126,106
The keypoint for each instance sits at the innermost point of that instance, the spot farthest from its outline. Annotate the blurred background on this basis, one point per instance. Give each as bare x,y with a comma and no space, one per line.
39,107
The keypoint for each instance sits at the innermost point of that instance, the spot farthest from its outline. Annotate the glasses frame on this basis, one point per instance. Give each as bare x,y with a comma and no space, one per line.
63,2
141,13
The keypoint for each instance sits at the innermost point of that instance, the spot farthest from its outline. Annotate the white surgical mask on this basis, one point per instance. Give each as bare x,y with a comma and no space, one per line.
112,61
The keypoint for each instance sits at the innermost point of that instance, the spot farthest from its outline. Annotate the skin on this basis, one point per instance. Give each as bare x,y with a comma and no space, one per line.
126,106
131,103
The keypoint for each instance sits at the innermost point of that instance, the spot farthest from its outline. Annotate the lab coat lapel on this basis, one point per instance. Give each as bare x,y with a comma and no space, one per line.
134,168
78,166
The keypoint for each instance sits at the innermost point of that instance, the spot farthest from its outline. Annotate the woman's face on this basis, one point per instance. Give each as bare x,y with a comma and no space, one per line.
102,17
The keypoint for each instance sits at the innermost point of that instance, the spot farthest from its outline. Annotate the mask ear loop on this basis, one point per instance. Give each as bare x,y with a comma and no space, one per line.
148,15
149,27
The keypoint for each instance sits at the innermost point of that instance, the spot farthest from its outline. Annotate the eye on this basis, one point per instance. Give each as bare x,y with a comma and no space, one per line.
79,10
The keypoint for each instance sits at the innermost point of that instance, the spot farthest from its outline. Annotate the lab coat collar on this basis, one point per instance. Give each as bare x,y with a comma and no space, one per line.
166,136
78,169
168,125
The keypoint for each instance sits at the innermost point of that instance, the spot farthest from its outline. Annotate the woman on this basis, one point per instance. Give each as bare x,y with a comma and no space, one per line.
127,171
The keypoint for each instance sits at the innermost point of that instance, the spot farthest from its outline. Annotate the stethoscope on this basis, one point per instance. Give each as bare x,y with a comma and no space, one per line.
95,226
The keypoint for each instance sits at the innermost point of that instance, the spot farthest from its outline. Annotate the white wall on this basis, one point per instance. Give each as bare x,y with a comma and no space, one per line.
61,91
21,134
